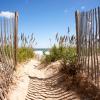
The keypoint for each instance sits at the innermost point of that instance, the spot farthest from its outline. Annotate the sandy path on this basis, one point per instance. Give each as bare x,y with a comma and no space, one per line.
19,91
26,88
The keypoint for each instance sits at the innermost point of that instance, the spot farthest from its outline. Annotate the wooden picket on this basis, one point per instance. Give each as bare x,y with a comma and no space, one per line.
88,43
8,51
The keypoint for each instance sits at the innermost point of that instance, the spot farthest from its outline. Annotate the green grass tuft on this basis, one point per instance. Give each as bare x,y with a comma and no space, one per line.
24,54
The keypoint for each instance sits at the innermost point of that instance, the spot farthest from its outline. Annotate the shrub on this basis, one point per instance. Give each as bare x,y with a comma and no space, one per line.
64,49
68,55
55,54
24,54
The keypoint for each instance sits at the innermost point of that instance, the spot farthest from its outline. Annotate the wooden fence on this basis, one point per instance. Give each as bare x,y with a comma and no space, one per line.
88,42
8,50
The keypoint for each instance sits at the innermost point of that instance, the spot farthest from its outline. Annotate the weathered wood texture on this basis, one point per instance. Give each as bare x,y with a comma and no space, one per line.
88,42
8,44
15,39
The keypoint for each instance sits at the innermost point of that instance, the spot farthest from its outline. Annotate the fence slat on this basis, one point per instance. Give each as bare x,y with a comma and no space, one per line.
88,42
8,51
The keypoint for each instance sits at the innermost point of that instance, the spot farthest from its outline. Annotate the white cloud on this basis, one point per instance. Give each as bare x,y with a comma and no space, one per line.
82,7
6,14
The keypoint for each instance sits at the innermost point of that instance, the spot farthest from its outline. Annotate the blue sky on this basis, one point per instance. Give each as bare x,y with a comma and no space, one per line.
45,18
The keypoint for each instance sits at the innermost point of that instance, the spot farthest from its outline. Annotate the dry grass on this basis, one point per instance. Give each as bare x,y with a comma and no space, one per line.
81,84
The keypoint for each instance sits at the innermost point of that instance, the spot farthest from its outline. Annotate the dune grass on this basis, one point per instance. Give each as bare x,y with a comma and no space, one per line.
24,54
60,53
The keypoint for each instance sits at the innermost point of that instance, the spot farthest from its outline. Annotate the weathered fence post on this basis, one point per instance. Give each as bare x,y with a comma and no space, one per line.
77,33
15,39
